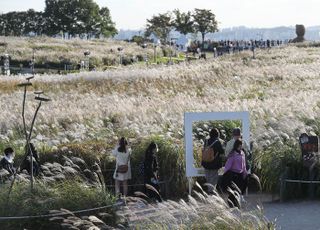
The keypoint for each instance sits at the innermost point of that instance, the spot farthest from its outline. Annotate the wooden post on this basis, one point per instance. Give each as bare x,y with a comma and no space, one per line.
190,185
311,187
283,185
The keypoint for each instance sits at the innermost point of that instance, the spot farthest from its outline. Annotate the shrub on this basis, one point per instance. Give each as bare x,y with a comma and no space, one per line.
140,57
89,151
68,195
166,51
274,160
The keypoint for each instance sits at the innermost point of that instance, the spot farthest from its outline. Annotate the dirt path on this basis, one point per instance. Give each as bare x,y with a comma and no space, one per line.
298,215
294,215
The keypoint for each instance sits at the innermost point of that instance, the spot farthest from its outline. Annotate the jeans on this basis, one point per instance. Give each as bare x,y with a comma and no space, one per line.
237,178
211,178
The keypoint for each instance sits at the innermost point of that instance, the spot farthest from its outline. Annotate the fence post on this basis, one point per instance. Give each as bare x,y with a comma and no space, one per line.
190,185
283,185
311,185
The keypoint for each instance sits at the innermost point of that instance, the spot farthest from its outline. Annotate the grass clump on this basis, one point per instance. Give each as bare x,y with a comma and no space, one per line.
273,161
204,212
67,195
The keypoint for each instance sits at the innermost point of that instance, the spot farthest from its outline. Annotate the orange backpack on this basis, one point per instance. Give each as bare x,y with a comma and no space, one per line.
208,153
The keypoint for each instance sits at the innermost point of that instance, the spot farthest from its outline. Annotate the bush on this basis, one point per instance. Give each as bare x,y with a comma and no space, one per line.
68,195
90,151
108,61
166,51
140,57
127,60
274,160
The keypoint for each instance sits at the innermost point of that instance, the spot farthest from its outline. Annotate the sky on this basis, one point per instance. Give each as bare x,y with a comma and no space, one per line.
132,14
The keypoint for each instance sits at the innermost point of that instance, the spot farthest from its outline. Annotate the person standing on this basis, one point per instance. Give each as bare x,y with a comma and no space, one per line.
236,135
151,175
32,153
122,172
211,168
235,168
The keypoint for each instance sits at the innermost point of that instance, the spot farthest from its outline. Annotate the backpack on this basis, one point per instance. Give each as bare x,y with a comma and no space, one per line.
208,153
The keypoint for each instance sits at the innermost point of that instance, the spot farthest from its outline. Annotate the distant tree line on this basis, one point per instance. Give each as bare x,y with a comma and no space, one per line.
199,21
75,17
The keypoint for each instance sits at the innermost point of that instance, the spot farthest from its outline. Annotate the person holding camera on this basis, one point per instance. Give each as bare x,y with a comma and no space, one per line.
122,172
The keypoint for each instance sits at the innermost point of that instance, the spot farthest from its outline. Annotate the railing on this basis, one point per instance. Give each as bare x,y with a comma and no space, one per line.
284,180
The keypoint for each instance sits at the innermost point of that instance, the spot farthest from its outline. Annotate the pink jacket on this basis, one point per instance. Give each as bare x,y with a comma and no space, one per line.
236,163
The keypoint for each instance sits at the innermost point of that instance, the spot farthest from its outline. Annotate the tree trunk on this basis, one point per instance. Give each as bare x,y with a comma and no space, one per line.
202,46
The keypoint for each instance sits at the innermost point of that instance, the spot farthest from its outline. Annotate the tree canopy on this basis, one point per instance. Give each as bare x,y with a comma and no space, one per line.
199,21
160,25
204,22
68,16
183,22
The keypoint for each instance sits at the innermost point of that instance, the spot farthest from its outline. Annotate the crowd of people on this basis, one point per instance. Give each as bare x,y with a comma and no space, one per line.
219,48
236,155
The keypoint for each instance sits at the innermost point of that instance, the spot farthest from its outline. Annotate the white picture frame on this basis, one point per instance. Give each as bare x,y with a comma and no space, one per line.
190,117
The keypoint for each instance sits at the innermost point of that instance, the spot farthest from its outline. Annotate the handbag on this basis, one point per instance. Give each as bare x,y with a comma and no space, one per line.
122,168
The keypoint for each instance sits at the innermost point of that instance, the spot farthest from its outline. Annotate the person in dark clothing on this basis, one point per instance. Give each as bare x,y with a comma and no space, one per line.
31,154
7,160
151,168
211,168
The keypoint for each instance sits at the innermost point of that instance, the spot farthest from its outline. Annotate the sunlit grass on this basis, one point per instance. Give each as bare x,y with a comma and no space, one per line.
279,88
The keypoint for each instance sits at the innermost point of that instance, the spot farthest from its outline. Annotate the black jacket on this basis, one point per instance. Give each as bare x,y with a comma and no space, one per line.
218,150
150,168
7,165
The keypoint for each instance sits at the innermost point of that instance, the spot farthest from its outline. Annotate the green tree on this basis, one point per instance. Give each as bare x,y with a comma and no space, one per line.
14,23
3,24
160,25
34,22
204,22
78,17
137,39
183,22
60,16
106,25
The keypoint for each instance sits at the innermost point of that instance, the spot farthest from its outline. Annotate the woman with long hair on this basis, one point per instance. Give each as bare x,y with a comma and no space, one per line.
235,169
151,168
122,172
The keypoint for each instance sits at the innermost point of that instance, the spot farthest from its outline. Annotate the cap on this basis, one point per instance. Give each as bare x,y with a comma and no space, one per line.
236,132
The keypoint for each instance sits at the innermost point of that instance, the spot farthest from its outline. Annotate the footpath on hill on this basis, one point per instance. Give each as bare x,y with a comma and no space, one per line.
292,215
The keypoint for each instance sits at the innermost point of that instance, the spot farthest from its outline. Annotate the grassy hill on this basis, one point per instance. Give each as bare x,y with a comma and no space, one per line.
280,89
90,110
54,53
